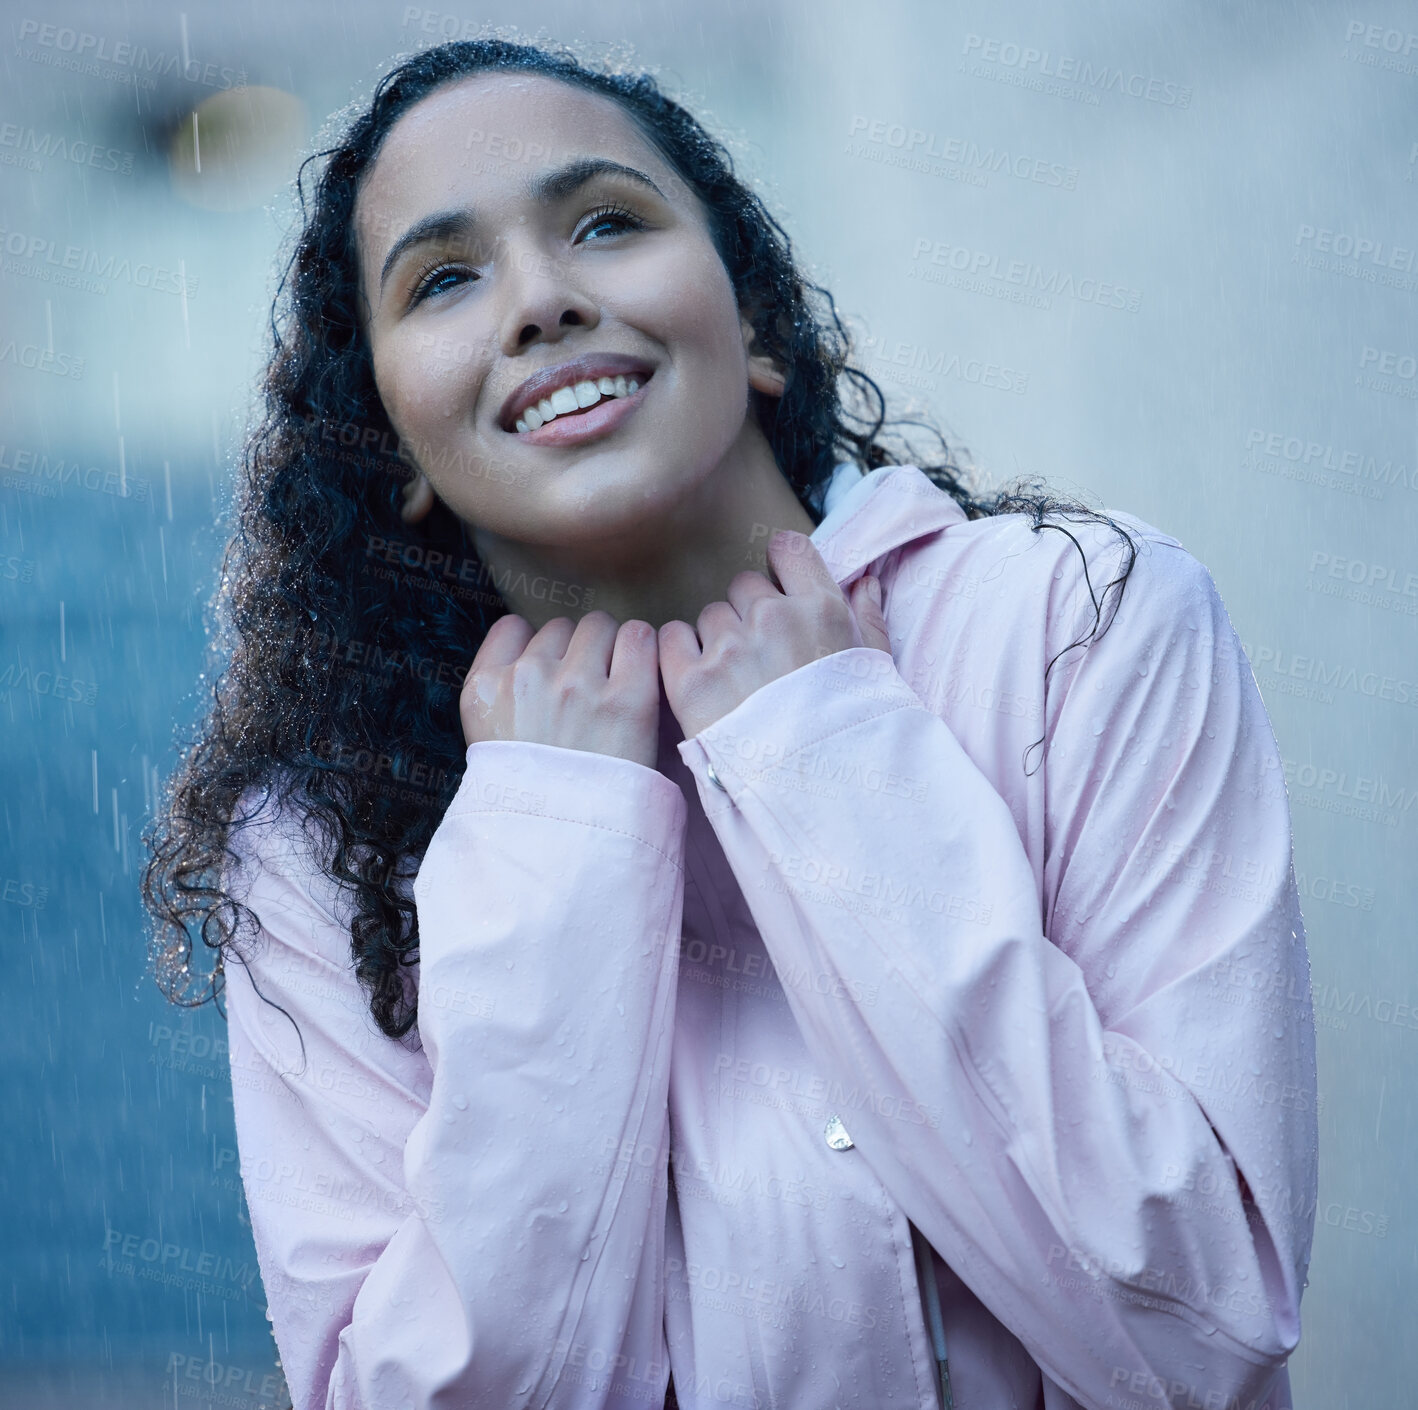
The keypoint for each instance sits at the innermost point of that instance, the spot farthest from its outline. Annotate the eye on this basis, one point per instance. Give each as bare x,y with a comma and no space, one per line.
609,220
437,278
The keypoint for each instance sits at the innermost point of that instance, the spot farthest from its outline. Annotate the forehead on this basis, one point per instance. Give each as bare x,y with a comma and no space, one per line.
480,139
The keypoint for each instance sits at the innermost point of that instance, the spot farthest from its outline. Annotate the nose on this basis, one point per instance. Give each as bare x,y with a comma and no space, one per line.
543,300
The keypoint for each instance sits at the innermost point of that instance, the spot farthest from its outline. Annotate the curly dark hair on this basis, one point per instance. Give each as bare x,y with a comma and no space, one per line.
374,755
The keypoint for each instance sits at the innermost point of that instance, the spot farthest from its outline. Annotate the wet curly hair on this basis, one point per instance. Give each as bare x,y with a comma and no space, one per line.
374,754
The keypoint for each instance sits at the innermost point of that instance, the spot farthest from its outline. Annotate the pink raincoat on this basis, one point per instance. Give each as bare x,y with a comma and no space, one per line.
702,1043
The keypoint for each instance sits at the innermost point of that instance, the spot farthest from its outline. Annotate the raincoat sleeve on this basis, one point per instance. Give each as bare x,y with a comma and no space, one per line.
442,1228
1088,1076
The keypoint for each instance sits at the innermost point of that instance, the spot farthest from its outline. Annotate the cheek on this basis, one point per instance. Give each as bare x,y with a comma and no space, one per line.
708,301
423,378
693,301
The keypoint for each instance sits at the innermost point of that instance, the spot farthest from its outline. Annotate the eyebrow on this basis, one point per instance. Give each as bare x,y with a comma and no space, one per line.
554,185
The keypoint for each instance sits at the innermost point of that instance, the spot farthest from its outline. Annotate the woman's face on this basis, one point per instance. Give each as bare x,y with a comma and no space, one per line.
517,238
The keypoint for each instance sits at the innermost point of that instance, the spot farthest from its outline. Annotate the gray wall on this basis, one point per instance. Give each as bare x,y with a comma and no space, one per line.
1228,351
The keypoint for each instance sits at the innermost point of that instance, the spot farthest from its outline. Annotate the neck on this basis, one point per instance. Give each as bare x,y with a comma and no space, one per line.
665,568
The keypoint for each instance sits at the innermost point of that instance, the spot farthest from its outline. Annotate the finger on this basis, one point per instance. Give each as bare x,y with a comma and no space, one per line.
871,621
505,641
635,652
746,588
798,565
716,618
553,639
593,640
679,649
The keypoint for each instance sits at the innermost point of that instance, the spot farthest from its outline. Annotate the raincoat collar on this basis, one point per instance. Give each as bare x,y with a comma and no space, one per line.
868,515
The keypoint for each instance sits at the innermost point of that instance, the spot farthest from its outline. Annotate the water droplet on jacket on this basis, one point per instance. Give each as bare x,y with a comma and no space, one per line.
837,1262
461,1102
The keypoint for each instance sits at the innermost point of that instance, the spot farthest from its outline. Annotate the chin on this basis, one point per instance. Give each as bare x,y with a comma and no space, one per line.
608,484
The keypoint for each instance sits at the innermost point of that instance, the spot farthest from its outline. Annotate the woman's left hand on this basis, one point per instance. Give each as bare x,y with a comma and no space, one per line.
762,633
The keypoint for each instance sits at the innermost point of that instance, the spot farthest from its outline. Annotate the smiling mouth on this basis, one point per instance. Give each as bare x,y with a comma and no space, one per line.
577,398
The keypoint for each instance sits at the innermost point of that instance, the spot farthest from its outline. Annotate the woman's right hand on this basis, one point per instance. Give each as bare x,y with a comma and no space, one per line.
588,685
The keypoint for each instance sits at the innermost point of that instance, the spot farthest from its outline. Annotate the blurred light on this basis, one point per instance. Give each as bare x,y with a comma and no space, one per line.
236,149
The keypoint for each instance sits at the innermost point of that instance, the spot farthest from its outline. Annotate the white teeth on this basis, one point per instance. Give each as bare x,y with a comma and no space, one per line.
575,398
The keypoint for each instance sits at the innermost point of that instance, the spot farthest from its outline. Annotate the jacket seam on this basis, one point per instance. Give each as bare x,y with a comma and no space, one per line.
854,724
901,1283
558,817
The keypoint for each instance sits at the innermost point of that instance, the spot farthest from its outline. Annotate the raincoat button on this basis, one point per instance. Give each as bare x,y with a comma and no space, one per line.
714,778
836,1134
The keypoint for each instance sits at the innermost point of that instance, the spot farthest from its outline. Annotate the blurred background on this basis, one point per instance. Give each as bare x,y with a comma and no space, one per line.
1162,256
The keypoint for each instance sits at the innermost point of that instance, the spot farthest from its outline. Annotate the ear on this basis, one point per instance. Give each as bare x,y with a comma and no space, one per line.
764,374
418,499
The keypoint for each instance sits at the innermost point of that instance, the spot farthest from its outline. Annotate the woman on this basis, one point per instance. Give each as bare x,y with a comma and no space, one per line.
859,962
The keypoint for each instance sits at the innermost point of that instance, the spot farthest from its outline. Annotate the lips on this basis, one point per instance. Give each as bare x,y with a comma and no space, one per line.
548,380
